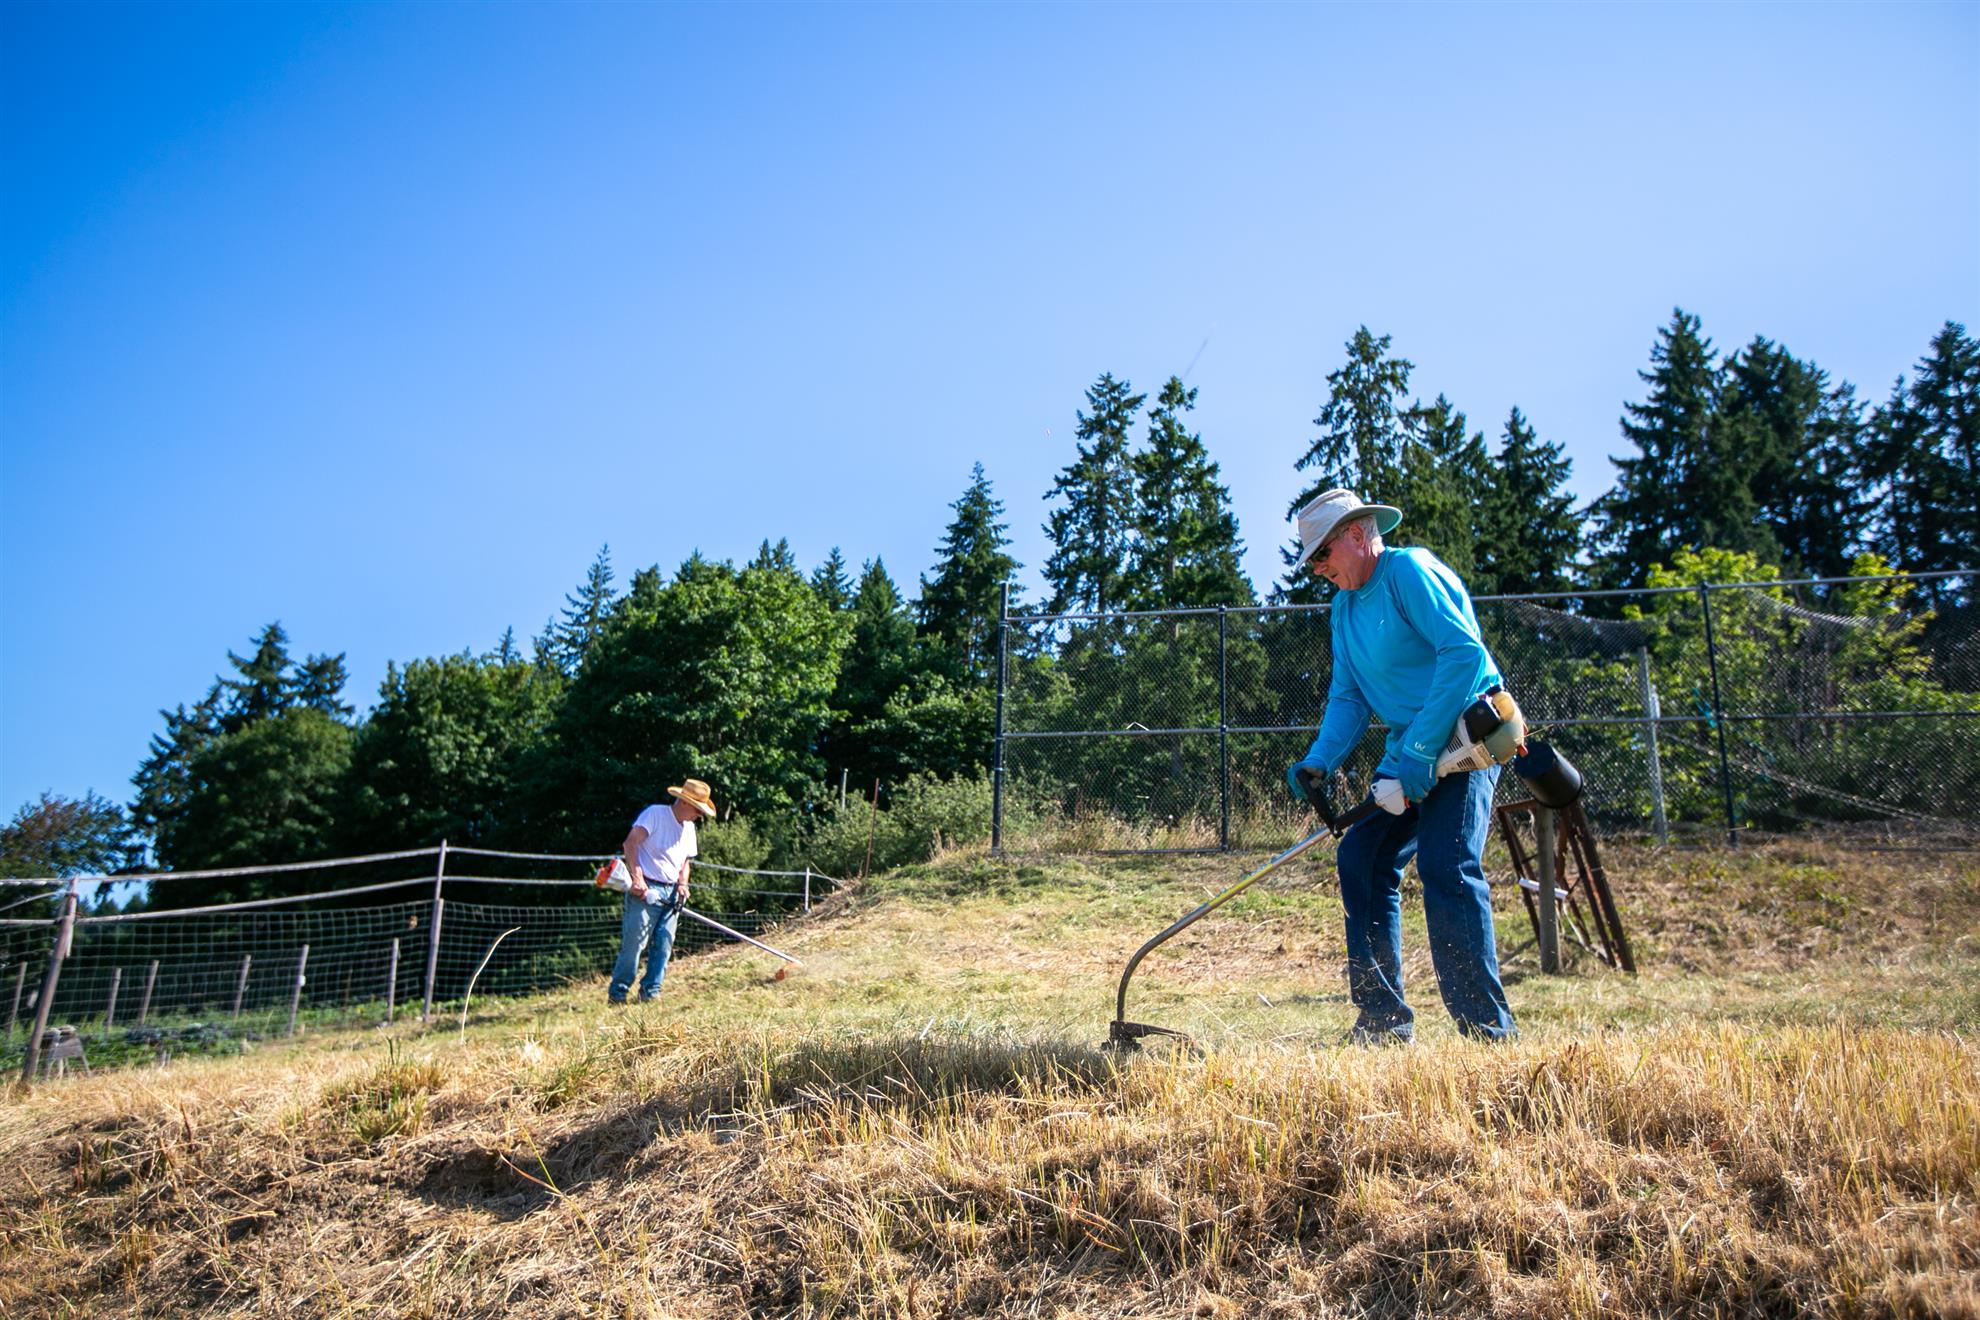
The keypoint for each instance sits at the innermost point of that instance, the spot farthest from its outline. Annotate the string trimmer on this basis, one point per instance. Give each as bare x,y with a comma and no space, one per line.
1489,732
1126,1035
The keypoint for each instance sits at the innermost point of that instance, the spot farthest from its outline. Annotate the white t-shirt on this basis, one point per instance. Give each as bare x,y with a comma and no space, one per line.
666,848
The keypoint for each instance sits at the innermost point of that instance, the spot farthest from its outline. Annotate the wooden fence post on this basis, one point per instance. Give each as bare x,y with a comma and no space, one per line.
150,979
240,986
110,1009
64,929
14,1013
295,992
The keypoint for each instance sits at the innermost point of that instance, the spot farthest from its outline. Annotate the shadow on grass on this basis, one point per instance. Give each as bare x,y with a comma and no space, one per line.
758,1081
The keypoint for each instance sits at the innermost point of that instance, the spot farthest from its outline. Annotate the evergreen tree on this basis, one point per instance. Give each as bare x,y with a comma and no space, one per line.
506,652
319,685
1924,454
1360,442
1186,545
164,780
1800,440
268,686
830,582
586,613
1690,482
1529,532
958,610
264,688
777,558
883,650
1444,482
1090,534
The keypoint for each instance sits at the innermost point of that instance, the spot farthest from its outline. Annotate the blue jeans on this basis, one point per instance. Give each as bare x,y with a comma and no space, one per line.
645,921
1446,834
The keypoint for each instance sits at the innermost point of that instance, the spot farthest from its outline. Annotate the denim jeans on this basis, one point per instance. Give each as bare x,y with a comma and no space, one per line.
1446,834
645,921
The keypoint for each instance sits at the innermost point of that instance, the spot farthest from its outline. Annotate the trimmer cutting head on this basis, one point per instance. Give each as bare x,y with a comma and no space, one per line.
1123,1035
1126,1037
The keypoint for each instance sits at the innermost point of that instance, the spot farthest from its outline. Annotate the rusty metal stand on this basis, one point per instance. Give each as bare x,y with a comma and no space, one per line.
1581,885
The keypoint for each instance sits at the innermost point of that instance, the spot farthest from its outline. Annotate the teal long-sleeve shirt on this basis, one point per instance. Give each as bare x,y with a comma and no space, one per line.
1406,648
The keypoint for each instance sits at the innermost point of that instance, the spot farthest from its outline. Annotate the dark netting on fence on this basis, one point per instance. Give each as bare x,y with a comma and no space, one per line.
1772,707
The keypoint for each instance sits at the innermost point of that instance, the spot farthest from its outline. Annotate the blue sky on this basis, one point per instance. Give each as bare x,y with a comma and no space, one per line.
380,320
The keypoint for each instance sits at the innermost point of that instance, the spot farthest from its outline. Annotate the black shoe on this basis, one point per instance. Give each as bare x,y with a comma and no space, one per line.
1376,1038
615,1003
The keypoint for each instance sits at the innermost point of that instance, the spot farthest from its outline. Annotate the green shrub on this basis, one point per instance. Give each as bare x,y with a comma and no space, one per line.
733,842
925,815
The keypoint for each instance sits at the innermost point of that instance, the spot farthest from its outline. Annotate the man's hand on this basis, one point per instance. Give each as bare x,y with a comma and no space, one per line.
1416,775
638,886
1313,763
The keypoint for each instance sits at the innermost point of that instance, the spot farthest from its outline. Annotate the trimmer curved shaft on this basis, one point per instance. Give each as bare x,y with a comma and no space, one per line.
1123,1034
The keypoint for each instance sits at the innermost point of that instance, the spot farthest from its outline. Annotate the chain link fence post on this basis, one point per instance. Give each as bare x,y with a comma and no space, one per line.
997,762
1719,716
1223,729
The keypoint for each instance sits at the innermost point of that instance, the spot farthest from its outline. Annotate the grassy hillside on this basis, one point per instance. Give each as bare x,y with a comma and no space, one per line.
1780,1116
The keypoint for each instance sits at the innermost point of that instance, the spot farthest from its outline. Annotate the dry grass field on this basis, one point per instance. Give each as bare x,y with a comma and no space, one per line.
1780,1117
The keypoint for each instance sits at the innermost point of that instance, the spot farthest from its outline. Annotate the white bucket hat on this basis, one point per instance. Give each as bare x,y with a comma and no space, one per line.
1329,509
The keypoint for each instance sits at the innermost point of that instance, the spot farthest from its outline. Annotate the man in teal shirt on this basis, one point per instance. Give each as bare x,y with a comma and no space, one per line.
1407,650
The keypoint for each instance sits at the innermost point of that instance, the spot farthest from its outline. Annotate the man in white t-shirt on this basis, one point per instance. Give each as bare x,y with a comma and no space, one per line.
657,851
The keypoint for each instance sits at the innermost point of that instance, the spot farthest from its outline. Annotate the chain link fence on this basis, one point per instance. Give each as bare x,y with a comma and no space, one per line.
1710,710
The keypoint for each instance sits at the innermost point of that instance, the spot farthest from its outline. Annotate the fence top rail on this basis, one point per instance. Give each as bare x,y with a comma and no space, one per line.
721,887
1585,594
250,903
149,876
600,859
1123,614
59,881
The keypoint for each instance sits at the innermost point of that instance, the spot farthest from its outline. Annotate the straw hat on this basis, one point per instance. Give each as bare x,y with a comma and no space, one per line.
695,794
1329,509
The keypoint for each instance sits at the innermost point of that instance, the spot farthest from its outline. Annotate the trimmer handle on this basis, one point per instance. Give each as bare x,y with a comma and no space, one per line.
1314,785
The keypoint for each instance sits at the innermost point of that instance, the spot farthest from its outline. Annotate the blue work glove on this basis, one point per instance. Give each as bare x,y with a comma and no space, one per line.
1417,774
1309,762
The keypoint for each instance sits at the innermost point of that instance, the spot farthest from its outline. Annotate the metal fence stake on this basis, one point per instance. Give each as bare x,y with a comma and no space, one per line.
150,980
1653,710
295,992
807,889
1550,934
59,950
110,1009
997,764
240,986
1719,716
392,979
433,935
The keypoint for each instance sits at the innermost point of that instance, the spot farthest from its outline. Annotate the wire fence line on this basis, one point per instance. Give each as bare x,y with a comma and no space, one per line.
134,986
1712,708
